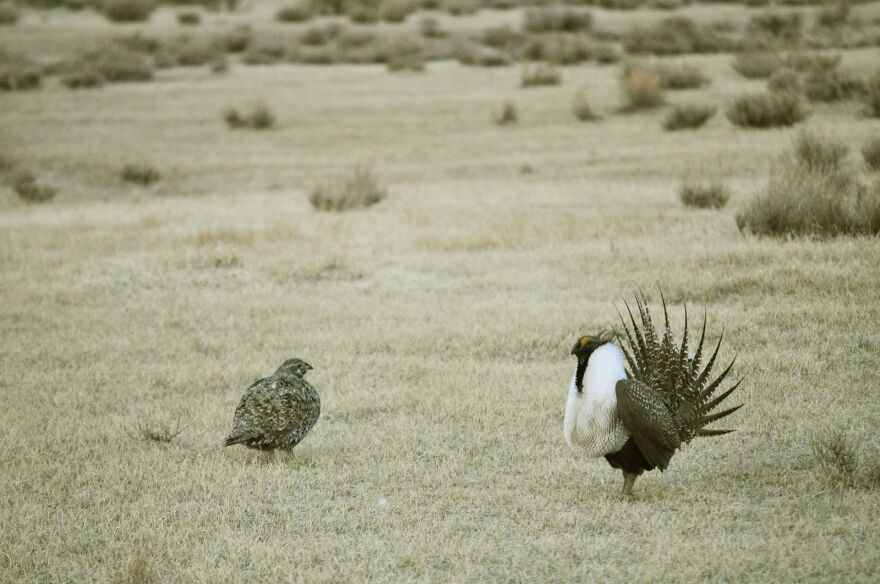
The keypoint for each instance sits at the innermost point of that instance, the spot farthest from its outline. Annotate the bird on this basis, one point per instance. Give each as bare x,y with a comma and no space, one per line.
278,411
636,397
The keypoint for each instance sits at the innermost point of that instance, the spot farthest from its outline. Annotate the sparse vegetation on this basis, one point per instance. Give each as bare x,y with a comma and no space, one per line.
541,74
8,13
128,10
757,64
641,86
831,84
703,194
396,10
681,76
294,13
156,430
785,80
557,18
257,117
118,65
358,190
189,18
675,35
872,96
83,78
506,114
871,153
582,108
140,174
27,187
405,53
19,77
819,153
688,116
767,110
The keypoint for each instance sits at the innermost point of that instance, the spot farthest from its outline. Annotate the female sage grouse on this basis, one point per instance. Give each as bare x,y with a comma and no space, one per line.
278,411
636,419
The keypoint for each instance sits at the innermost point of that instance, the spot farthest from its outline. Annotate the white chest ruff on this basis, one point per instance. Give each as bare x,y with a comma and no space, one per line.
591,424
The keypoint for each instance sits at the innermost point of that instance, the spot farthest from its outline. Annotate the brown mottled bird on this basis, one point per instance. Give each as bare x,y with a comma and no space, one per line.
278,411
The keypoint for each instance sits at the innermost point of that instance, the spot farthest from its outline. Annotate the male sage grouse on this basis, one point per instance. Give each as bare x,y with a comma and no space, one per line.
637,418
278,411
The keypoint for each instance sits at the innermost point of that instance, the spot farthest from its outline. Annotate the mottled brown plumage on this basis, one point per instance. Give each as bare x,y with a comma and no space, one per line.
278,411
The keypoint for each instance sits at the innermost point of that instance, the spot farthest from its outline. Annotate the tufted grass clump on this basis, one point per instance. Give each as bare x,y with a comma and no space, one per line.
688,116
128,10
785,80
872,95
19,77
767,110
83,78
395,10
360,189
153,430
757,64
681,76
871,153
118,65
541,74
28,188
641,87
557,19
8,13
703,195
140,174
294,13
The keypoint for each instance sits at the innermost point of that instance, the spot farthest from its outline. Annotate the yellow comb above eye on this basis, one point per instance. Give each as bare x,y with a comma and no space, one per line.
585,341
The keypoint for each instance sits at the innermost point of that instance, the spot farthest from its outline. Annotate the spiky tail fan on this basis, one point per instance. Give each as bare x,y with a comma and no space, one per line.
655,360
237,436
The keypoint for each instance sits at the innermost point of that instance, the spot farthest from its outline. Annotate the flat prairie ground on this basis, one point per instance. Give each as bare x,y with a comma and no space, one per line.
439,323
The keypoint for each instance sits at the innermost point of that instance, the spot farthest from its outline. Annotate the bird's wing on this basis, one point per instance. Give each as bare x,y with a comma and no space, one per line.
651,424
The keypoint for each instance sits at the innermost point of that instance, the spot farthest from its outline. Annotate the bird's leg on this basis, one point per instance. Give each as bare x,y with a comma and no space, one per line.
629,479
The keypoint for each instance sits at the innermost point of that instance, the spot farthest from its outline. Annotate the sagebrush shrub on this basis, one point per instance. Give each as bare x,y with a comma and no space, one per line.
360,189
832,85
871,153
294,13
140,174
872,95
681,76
541,74
767,110
258,117
785,80
128,10
27,187
777,25
506,114
675,35
688,116
118,65
641,86
557,19
757,64
189,18
582,108
8,13
819,153
19,77
396,10
703,195
404,53
83,78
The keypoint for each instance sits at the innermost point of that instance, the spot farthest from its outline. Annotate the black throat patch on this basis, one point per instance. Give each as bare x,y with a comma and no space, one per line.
579,376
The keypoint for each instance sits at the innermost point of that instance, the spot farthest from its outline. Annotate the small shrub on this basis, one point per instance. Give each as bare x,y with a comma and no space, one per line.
833,14
832,85
189,18
703,195
872,96
264,54
469,53
219,64
641,86
361,189
431,28
871,153
128,10
364,14
541,74
295,13
192,52
8,13
757,64
505,115
805,61
461,7
681,76
85,78
395,10
562,48
119,65
259,117
238,39
582,109
767,110
777,25
675,35
688,116
785,80
557,19
819,154
800,200
405,53
19,77
140,174
27,187
605,53
834,452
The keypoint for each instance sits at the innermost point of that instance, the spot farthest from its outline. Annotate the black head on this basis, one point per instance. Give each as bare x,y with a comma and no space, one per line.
294,367
586,344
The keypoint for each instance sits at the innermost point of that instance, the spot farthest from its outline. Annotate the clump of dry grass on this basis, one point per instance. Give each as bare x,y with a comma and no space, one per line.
540,74
358,190
26,186
19,77
681,76
294,13
819,153
784,80
189,18
757,64
831,84
128,10
703,195
83,78
404,53
688,116
8,13
872,95
163,431
557,19
140,174
839,459
395,10
506,114
258,117
675,35
767,110
582,108
871,153
641,86
118,65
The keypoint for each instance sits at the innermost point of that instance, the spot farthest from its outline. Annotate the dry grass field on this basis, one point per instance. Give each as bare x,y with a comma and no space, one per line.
439,322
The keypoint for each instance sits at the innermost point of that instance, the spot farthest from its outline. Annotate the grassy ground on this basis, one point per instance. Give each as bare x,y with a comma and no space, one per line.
439,323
